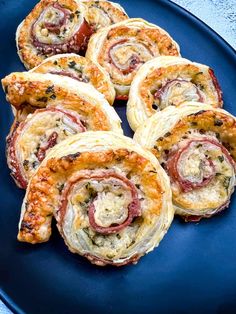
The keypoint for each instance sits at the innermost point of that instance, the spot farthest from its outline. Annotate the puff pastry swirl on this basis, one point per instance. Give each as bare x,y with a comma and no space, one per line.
63,107
110,197
52,27
80,69
166,81
123,47
195,143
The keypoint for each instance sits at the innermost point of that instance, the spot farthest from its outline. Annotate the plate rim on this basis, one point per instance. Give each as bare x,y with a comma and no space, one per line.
198,20
4,297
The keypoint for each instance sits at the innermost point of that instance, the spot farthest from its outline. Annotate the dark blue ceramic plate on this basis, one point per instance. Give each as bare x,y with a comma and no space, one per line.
194,268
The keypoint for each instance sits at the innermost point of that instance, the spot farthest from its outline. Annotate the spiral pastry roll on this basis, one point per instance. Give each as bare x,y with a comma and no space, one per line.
64,107
111,199
166,81
123,47
80,69
196,144
52,27
103,13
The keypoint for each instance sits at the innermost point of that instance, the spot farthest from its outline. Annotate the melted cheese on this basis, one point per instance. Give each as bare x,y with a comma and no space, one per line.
111,209
38,128
123,53
180,92
54,15
98,17
193,166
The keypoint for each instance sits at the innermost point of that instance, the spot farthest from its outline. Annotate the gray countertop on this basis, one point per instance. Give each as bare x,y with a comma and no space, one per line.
220,15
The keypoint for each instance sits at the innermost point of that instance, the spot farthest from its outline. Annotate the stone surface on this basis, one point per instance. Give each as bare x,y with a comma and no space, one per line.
4,309
220,15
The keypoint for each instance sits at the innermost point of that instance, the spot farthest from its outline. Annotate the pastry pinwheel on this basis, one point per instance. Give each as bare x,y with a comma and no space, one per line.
196,145
60,106
62,26
123,47
110,197
80,69
52,27
166,81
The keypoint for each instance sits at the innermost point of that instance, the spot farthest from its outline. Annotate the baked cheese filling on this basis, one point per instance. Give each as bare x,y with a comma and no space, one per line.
58,29
33,139
123,47
170,81
100,213
98,17
202,173
174,92
109,200
49,24
127,55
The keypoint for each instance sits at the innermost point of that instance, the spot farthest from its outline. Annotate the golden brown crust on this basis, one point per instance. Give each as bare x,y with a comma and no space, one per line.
206,121
28,53
188,71
81,69
44,190
223,125
111,199
170,81
68,32
39,211
122,48
29,91
154,40
196,145
52,27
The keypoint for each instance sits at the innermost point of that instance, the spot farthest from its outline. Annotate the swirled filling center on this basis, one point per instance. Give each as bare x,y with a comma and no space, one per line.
54,18
176,91
98,17
127,55
53,25
195,164
199,162
110,201
59,30
44,130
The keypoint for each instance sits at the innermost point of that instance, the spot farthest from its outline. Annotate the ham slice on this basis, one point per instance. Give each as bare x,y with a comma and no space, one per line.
134,209
208,169
159,94
133,62
15,164
78,42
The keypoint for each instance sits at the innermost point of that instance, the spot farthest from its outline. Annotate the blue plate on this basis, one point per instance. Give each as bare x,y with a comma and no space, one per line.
194,268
